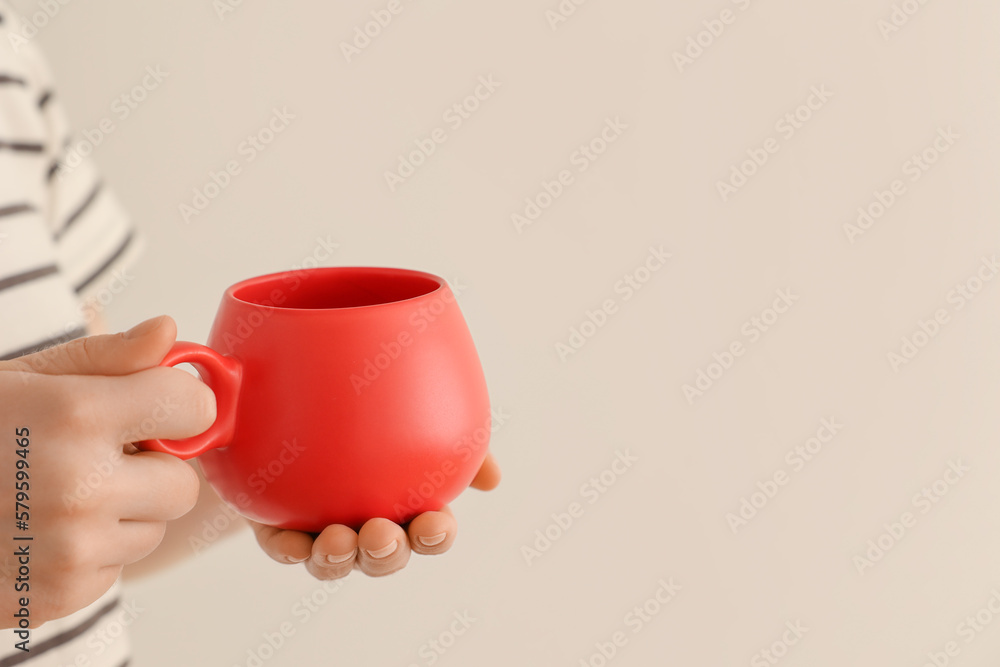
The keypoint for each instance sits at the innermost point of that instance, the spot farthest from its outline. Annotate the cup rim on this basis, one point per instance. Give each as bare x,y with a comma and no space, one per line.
230,293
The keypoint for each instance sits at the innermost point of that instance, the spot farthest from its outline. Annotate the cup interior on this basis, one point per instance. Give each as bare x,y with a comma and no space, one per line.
325,289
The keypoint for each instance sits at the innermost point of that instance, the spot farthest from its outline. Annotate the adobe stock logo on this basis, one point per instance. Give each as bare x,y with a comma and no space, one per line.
895,530
365,34
434,649
455,116
583,158
30,26
968,629
562,13
627,286
462,450
212,529
714,28
223,7
797,457
899,17
753,329
636,620
928,330
105,634
914,168
592,490
249,149
787,126
121,108
794,631
420,320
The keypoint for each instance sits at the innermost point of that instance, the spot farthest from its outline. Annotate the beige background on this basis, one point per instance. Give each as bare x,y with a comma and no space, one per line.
656,185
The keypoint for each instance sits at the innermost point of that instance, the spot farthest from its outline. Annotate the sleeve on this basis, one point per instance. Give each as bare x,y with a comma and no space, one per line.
95,241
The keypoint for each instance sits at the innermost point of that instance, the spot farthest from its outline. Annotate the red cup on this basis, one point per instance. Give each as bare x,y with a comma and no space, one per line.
343,394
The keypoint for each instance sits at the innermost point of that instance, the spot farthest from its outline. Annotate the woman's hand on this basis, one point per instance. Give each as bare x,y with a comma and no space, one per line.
381,547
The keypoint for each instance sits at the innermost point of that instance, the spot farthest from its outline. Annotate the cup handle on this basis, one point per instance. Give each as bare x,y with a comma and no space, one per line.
223,375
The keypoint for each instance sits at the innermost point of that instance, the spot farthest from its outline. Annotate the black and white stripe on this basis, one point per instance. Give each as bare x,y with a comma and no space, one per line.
28,276
14,209
51,341
79,211
47,645
118,253
21,146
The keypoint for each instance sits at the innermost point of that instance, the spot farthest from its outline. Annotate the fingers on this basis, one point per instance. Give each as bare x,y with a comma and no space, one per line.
151,486
488,476
333,553
153,403
380,548
433,533
136,540
284,546
383,548
141,347
104,542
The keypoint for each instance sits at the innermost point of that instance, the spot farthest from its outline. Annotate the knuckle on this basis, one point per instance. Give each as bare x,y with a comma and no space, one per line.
77,555
81,352
74,407
274,545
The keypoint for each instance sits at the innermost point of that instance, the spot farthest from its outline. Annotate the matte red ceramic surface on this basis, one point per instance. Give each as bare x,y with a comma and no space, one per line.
343,394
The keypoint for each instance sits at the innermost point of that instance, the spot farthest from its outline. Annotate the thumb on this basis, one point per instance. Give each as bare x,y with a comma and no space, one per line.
141,347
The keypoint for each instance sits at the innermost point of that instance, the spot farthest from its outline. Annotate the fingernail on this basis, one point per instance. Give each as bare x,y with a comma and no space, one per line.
333,560
433,540
290,559
144,328
384,551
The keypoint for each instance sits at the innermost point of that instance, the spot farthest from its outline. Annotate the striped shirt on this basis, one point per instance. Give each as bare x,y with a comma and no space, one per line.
63,240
